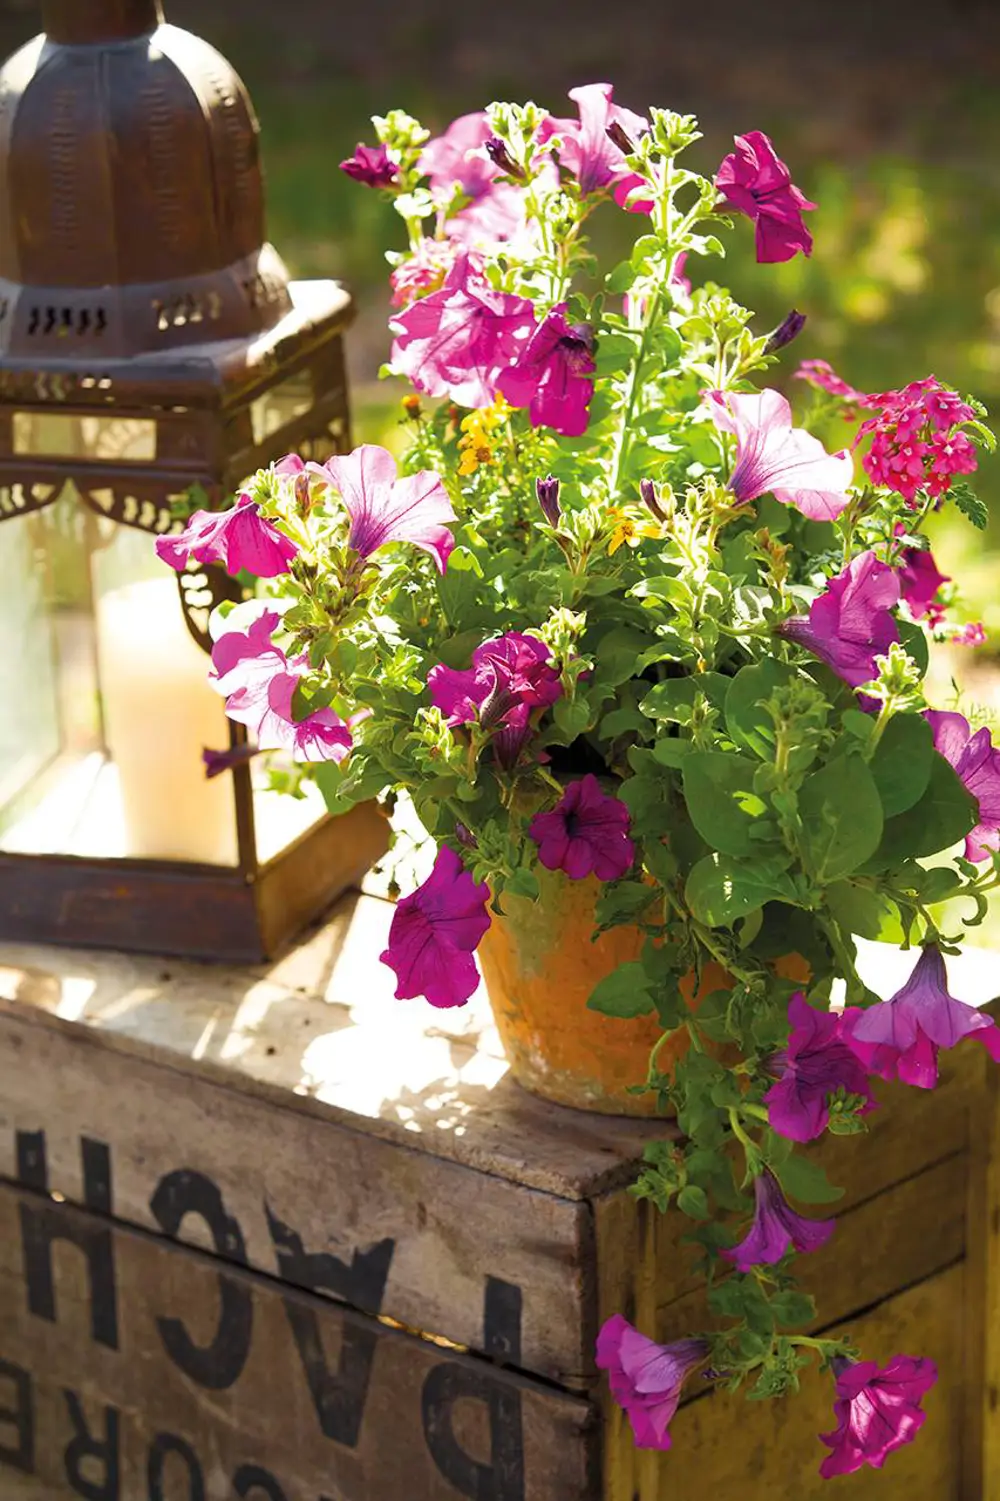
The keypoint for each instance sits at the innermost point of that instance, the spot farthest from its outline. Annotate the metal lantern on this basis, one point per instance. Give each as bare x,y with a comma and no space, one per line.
150,342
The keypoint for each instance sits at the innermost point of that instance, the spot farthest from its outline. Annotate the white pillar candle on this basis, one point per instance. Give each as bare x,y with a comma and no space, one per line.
159,713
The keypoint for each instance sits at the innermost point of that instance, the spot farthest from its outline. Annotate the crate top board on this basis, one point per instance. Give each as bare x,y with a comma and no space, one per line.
297,1119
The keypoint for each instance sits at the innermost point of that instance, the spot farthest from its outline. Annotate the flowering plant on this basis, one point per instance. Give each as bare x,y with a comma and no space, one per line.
616,614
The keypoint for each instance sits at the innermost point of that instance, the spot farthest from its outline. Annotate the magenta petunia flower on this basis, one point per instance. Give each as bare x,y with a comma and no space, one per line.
876,1410
919,582
511,676
776,1228
371,165
553,375
773,457
459,156
386,509
586,150
851,622
976,762
258,682
435,933
586,833
900,1038
646,1378
754,180
815,1064
241,539
455,342
422,272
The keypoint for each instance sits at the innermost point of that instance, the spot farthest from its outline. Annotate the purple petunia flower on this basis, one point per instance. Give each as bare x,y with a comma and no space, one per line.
587,151
386,509
876,1410
900,1038
456,341
371,165
553,375
435,933
851,623
586,833
646,1378
814,1065
510,677
754,180
258,682
919,582
977,764
776,1228
241,539
773,457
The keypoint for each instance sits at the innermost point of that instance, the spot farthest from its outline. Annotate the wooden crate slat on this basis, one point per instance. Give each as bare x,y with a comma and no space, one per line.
390,1230
212,1378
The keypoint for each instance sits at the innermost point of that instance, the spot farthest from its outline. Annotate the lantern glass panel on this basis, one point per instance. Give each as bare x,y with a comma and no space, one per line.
281,405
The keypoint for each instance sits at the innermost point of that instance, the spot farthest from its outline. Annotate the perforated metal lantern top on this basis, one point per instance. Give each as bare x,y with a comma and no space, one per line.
131,196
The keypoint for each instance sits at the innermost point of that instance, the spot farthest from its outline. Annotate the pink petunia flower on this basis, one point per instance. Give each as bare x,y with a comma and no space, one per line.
459,156
258,682
586,833
457,341
646,1378
435,933
424,271
553,375
386,509
973,634
371,165
586,150
876,1410
241,539
773,457
919,582
511,676
755,180
776,1228
916,441
815,1064
851,623
900,1038
976,762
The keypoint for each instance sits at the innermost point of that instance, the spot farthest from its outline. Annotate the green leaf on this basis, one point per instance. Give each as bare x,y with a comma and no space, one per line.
869,914
720,888
572,716
841,818
673,700
672,752
623,902
803,1179
748,724
901,764
718,790
793,1308
970,505
693,1202
621,722
625,992
944,815
522,883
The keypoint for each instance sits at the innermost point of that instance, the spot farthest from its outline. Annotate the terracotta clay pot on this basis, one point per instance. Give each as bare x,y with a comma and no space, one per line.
540,965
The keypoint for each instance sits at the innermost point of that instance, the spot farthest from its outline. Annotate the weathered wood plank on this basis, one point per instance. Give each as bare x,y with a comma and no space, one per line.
385,1228
131,1367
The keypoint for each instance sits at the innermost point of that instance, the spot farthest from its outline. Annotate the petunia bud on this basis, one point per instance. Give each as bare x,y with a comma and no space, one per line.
216,762
786,331
648,492
497,152
620,137
547,491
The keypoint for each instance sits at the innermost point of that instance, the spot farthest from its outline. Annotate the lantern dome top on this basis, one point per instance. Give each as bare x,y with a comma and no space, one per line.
131,194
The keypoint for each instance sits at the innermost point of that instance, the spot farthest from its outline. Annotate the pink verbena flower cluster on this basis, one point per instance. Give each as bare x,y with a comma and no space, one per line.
916,439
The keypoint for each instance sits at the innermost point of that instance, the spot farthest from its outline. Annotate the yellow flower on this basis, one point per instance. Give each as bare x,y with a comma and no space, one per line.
476,442
629,532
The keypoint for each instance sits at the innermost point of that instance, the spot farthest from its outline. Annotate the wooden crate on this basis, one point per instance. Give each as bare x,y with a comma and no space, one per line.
269,1233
